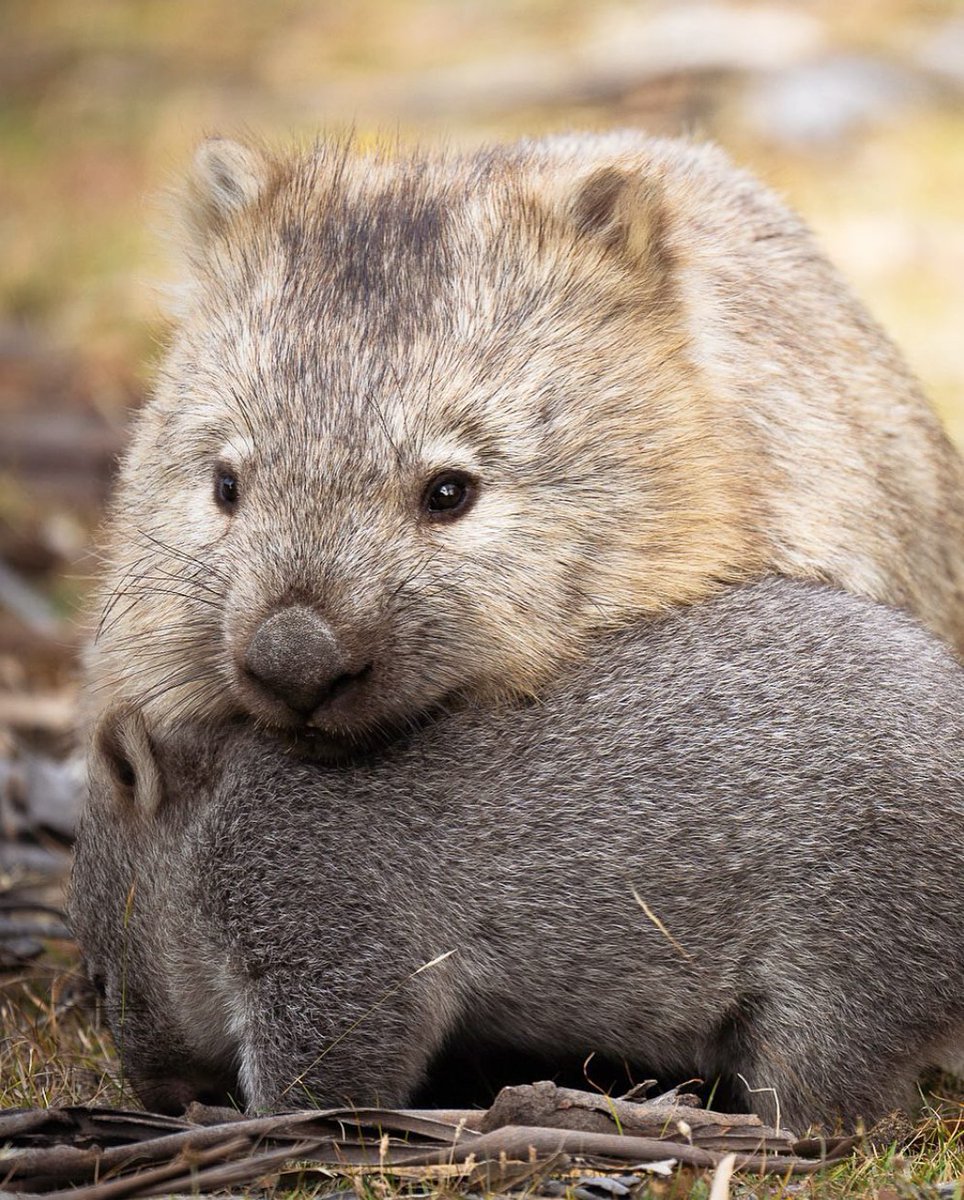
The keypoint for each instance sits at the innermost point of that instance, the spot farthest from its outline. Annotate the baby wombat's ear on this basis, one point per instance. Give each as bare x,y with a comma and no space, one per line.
123,762
616,205
227,177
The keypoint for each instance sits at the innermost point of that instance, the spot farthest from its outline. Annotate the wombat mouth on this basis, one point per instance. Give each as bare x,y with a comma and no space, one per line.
341,720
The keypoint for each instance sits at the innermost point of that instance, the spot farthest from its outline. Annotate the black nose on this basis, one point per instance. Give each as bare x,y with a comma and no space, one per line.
296,657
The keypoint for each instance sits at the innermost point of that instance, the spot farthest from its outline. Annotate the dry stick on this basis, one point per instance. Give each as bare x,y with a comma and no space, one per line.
325,1134
217,1177
467,1118
71,1124
318,1151
67,1162
132,1184
519,1141
545,1104
512,1142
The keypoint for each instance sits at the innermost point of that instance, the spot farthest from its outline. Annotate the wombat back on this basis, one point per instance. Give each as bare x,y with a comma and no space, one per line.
699,853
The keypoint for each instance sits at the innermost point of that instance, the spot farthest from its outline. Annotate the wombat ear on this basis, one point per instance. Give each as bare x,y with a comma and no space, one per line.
619,207
227,177
122,753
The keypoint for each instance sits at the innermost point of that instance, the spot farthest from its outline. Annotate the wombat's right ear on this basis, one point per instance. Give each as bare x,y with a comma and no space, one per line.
227,177
123,758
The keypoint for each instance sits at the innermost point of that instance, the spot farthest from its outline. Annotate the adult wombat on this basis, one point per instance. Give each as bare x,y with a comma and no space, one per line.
429,423
731,843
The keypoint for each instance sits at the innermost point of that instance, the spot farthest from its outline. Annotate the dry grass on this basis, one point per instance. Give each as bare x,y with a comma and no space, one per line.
54,1051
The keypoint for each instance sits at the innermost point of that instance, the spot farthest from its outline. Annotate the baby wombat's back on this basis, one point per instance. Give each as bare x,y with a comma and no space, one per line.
698,854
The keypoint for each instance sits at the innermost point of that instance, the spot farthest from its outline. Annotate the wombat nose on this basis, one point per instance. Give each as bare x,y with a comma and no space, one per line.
296,657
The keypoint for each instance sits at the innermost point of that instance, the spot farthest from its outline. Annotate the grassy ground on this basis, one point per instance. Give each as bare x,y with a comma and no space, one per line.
54,1051
100,104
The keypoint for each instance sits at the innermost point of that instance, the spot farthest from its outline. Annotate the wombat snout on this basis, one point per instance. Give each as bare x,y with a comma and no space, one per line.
296,657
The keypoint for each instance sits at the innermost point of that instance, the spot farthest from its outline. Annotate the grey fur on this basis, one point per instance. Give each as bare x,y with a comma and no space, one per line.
776,774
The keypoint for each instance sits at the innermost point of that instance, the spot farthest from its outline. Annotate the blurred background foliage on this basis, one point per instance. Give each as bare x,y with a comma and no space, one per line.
855,111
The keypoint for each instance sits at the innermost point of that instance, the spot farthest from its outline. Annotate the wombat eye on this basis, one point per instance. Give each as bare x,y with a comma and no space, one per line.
226,489
449,495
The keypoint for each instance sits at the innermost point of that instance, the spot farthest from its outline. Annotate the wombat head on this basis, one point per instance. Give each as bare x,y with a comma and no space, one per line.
411,438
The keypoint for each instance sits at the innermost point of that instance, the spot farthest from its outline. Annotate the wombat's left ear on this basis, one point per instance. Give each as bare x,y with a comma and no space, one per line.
227,177
122,756
619,206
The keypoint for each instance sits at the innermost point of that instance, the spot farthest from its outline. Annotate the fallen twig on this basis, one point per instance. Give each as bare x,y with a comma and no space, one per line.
104,1154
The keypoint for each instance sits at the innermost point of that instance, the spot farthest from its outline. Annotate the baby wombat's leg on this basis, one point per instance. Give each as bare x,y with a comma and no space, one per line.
326,1041
820,1064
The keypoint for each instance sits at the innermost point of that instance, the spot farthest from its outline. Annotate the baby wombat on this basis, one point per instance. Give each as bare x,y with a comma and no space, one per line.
428,423
730,844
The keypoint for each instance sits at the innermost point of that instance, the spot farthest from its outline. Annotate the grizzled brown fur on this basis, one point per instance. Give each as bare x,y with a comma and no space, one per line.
652,377
730,843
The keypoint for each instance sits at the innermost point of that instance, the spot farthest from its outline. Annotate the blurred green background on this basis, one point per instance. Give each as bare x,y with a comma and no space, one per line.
855,111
